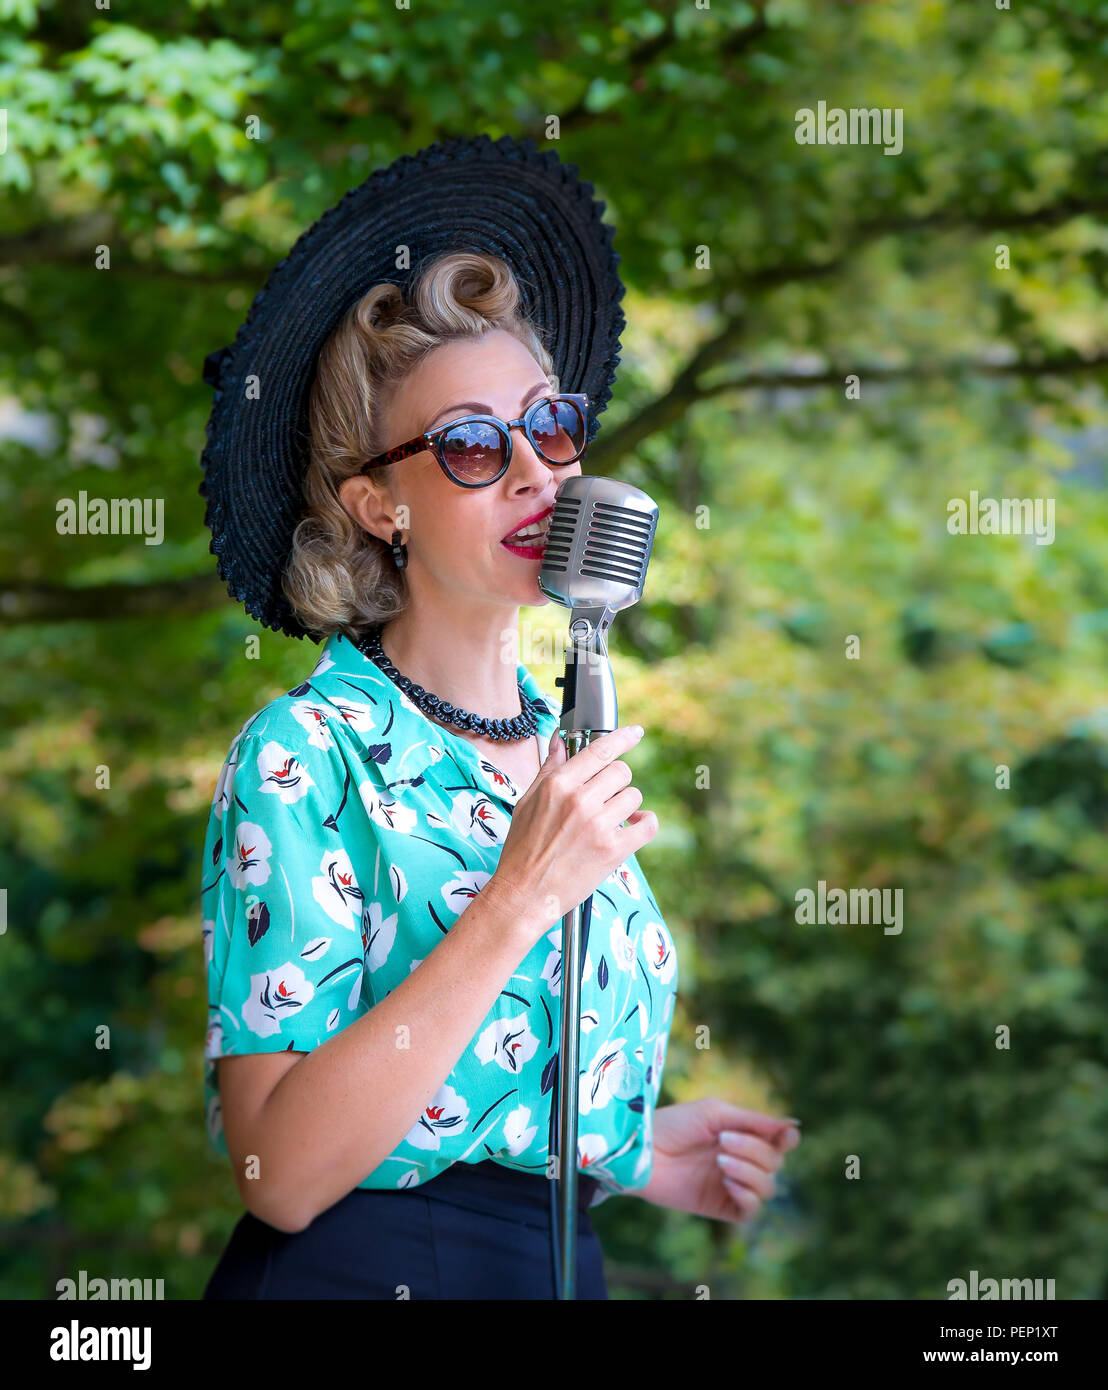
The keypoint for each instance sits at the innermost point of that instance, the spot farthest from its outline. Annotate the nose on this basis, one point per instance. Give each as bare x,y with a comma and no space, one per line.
528,470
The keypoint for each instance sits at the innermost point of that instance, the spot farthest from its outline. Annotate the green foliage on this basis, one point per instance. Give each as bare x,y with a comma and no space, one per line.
793,517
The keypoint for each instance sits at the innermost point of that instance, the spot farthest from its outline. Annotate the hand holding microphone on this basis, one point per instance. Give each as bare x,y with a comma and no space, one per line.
567,833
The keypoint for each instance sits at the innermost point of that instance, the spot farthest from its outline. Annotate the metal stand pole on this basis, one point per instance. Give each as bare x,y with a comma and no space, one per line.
568,1070
588,711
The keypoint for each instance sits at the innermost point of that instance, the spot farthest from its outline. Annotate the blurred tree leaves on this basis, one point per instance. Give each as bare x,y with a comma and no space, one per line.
793,517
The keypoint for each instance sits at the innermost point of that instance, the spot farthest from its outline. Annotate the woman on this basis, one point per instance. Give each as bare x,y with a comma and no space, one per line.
386,875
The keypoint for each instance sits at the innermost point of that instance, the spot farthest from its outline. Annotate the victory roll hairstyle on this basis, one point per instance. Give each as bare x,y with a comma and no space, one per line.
339,577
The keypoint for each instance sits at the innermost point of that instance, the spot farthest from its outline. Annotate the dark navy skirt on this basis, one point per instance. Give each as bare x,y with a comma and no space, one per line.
477,1230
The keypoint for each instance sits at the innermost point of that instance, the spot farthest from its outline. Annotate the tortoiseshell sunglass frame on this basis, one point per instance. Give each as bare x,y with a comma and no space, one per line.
432,439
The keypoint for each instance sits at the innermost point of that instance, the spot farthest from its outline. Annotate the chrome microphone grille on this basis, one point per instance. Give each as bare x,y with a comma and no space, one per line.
598,546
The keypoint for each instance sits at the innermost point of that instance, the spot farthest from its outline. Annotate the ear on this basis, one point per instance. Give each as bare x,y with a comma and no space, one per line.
370,506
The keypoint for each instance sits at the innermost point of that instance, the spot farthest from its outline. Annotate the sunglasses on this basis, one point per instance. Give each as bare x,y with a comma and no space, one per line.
475,450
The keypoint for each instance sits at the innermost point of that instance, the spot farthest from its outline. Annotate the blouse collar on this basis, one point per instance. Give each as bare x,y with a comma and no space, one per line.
402,739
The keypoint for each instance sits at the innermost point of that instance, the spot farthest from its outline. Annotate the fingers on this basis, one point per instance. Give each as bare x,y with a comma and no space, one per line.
604,785
641,827
767,1126
747,1162
619,805
600,753
748,1203
748,1175
748,1146
787,1139
555,752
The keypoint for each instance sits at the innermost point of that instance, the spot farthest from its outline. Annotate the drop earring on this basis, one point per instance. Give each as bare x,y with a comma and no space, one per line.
399,552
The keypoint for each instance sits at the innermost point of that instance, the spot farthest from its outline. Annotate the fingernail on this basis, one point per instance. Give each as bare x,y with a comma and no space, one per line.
729,1134
636,730
789,1119
727,1162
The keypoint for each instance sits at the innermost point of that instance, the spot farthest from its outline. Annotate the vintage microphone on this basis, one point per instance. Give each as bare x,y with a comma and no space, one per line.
594,563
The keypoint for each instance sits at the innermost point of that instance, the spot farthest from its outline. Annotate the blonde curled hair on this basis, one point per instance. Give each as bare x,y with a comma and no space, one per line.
340,577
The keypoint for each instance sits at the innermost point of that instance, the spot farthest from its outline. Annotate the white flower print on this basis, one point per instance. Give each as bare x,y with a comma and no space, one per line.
275,997
336,889
464,887
313,718
355,714
446,1114
498,780
479,818
610,1075
623,876
248,862
552,969
398,882
340,840
591,1148
378,935
517,1133
220,798
227,772
325,662
355,993
282,773
656,1064
508,1042
623,946
596,1157
661,959
384,810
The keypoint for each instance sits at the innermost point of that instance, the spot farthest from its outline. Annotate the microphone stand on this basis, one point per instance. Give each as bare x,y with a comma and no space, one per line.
588,710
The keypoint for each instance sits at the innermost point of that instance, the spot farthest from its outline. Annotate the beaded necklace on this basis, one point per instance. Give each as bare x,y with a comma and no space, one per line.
522,725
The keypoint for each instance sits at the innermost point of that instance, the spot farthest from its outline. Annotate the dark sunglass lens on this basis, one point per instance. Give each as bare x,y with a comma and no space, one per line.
474,452
559,431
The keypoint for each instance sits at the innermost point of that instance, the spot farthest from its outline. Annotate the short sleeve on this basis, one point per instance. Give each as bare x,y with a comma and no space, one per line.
283,913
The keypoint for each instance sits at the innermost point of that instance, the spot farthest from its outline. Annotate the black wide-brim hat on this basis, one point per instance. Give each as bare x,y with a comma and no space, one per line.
503,198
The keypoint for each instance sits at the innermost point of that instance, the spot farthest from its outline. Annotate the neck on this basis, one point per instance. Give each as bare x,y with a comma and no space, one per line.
468,659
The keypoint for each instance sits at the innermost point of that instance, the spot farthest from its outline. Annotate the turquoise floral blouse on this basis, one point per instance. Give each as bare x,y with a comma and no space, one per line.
346,834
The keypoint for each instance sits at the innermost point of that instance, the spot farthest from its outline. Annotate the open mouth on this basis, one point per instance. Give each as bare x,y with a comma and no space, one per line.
529,540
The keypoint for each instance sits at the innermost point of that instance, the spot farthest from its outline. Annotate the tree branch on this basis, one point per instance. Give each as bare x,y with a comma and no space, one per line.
24,601
1064,364
770,277
686,391
72,243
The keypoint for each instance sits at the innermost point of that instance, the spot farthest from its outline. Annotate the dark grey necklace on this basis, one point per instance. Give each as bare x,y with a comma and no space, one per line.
522,725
